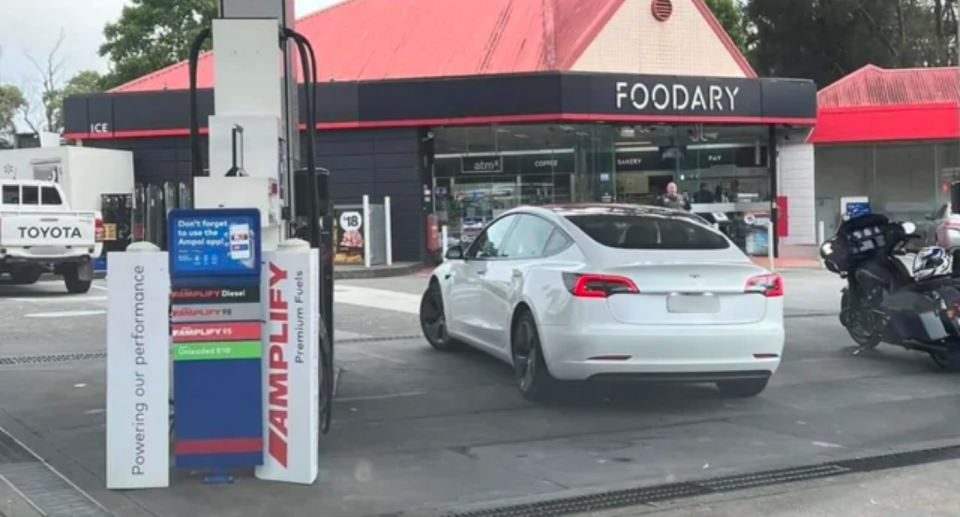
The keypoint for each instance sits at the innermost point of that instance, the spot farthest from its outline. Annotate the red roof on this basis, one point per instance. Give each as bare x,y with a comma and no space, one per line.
875,86
878,105
389,39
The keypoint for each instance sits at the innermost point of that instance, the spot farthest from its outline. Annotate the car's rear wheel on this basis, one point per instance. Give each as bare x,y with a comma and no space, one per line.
433,320
72,281
742,388
530,368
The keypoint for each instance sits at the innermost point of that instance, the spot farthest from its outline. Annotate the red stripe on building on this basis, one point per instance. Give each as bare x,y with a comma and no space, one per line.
218,446
467,121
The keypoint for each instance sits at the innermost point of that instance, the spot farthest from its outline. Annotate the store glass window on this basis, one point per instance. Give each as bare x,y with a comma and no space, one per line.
481,171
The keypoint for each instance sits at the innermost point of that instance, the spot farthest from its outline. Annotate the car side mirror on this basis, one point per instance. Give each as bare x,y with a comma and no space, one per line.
454,253
928,217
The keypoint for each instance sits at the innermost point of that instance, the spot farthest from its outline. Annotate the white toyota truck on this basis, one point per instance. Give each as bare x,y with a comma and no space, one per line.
40,233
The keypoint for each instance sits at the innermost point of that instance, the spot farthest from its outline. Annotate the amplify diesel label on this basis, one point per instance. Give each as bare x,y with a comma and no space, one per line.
49,232
215,295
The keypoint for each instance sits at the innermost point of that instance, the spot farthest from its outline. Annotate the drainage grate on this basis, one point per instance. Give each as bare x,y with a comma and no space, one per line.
40,485
52,358
649,495
901,459
49,492
592,503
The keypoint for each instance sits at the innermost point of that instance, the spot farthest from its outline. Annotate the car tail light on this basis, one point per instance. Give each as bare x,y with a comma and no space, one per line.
98,230
770,285
589,285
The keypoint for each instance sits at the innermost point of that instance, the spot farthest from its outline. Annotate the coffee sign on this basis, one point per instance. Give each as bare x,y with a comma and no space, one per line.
661,96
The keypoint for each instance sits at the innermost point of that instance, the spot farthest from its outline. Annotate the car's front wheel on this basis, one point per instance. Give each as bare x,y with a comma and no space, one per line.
742,388
533,377
433,320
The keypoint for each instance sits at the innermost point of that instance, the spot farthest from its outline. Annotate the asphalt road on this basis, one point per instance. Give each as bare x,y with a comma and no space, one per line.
415,429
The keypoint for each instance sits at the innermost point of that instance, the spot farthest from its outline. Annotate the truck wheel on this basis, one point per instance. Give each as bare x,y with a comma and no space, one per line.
26,276
71,278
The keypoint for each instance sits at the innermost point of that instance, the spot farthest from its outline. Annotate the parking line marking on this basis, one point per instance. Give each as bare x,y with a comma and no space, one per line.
65,314
381,397
57,299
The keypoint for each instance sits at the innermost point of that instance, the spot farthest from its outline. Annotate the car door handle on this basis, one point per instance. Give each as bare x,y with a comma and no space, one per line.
482,272
517,273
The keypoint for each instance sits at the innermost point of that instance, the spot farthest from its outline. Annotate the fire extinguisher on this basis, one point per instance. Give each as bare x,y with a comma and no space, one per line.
433,233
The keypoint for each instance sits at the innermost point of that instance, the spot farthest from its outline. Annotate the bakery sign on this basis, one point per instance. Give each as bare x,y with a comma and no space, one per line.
676,97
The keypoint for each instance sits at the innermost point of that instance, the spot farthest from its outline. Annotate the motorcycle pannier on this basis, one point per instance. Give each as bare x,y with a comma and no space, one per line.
915,315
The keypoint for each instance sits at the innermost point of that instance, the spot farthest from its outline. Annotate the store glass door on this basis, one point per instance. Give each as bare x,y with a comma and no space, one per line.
476,200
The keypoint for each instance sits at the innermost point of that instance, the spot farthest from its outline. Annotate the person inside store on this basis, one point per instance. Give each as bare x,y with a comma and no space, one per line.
703,195
674,199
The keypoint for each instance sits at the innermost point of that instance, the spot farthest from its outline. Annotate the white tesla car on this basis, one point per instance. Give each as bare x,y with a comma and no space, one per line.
609,292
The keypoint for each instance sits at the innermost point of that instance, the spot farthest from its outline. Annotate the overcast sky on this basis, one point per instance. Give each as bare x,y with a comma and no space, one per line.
33,26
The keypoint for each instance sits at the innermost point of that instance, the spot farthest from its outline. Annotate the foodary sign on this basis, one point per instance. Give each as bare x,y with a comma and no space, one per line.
662,96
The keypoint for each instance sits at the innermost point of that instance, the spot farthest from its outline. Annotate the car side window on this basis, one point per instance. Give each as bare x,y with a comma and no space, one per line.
30,195
557,242
489,244
50,196
528,238
11,194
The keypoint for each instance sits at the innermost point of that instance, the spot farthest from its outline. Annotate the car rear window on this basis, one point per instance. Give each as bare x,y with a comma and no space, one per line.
650,232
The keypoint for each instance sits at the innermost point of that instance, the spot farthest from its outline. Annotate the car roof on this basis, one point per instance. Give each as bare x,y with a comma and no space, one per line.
569,209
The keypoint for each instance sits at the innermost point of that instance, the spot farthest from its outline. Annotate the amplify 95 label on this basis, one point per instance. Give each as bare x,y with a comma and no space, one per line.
214,332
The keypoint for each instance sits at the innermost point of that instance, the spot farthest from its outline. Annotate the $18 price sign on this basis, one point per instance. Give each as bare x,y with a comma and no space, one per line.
351,221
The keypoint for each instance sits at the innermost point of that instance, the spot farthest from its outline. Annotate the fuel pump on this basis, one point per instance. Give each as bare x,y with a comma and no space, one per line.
305,208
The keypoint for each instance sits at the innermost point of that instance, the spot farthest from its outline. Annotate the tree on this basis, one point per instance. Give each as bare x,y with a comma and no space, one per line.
46,98
11,102
153,34
730,15
825,40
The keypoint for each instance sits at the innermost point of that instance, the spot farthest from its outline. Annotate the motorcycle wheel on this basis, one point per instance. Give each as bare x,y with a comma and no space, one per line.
859,327
948,360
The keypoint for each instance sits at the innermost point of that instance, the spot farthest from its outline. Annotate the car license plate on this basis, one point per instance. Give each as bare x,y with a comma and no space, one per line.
693,303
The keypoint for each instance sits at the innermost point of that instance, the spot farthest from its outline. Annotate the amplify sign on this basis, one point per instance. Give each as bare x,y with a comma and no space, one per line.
291,371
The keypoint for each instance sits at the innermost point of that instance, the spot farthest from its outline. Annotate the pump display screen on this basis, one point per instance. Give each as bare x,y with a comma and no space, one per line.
214,242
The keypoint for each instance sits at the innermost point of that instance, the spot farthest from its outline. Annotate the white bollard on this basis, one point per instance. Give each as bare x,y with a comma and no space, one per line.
443,242
770,257
388,224
291,363
366,231
138,368
821,238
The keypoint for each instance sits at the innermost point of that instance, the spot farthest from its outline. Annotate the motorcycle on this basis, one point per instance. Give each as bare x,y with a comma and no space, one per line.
883,301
